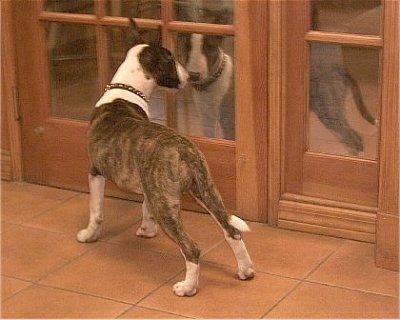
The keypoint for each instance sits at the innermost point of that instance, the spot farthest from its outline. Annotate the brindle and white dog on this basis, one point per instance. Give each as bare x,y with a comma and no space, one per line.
144,157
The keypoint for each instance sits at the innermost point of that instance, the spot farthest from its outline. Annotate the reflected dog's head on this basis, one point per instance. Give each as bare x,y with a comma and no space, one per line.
202,53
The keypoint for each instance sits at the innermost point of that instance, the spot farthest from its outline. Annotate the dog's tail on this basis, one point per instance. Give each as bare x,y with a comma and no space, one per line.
206,194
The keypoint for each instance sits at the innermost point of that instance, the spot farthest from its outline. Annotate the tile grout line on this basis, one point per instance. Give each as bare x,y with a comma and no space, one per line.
61,202
301,281
351,289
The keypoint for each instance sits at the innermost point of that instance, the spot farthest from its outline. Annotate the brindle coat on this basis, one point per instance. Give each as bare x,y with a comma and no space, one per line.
145,157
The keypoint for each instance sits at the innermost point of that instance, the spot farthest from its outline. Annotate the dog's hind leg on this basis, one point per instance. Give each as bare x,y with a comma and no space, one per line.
232,226
166,213
148,228
93,230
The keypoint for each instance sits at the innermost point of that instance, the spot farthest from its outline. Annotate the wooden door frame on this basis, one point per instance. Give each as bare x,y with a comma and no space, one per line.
9,96
386,215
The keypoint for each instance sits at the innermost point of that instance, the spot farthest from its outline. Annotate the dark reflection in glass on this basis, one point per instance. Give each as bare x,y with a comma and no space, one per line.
344,100
205,11
149,9
348,16
70,6
72,60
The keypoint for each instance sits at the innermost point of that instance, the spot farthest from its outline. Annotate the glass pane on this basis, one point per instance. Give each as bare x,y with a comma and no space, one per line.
150,9
70,6
117,48
349,16
73,69
344,100
207,106
205,11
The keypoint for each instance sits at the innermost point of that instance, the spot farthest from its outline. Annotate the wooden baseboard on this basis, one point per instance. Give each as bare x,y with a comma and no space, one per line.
387,242
331,221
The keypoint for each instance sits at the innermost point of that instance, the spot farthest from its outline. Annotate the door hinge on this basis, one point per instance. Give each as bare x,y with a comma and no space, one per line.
17,111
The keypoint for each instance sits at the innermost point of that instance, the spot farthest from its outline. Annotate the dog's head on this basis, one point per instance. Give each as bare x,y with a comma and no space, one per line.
157,62
202,52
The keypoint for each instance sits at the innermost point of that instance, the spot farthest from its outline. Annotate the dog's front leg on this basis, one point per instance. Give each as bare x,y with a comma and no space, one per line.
148,228
93,230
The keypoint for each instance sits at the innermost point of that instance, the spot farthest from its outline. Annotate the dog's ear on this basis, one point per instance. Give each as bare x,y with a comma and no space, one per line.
156,36
134,35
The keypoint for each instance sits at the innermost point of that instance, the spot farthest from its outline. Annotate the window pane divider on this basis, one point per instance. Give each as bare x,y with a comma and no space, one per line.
344,38
68,17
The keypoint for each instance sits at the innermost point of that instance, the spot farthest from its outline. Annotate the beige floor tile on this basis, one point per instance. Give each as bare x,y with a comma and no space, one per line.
353,266
281,252
145,313
201,227
318,301
22,201
10,286
117,272
30,254
73,215
49,303
222,295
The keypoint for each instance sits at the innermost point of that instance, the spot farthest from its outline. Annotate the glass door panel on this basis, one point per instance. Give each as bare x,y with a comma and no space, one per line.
72,61
349,16
70,6
344,100
207,106
150,9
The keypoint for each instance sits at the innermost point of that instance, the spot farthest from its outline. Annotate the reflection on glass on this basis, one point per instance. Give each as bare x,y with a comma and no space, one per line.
70,6
207,106
349,16
150,9
344,100
205,11
73,69
117,48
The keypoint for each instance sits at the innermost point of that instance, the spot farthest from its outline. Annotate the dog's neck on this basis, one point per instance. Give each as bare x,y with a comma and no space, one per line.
130,73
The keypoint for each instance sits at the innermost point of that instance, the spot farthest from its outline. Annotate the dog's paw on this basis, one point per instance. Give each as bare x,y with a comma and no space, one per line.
88,235
182,289
147,230
246,273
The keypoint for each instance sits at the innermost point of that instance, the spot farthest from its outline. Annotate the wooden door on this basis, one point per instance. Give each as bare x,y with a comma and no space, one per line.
67,52
333,78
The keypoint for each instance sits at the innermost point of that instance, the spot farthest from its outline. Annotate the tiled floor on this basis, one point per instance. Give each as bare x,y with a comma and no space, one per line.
46,273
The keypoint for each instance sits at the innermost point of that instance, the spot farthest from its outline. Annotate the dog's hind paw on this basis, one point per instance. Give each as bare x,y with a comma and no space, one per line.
182,289
246,274
147,232
88,235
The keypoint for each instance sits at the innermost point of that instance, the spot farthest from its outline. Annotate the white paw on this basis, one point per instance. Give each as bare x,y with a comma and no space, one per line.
88,235
182,289
147,230
246,273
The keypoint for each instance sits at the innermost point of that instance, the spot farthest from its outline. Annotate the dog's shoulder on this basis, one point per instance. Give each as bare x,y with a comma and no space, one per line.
117,110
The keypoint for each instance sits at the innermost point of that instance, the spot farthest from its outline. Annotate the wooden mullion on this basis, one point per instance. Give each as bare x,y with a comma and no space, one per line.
344,38
68,17
101,46
124,22
208,28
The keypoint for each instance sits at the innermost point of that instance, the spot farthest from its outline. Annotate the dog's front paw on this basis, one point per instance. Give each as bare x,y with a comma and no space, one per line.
88,235
246,273
182,289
